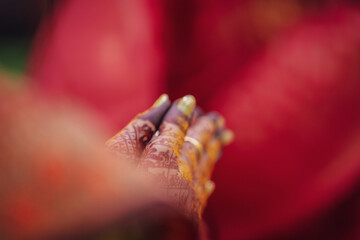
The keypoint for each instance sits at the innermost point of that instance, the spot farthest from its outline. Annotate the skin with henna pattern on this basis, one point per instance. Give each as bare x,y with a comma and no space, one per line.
129,143
180,172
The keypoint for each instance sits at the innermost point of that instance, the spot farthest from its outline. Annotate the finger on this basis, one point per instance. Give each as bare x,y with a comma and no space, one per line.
192,149
207,162
226,137
205,169
198,112
203,129
200,133
196,141
218,119
162,153
129,142
207,189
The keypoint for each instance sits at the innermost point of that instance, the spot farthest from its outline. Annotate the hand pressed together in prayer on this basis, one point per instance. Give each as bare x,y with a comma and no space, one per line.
176,147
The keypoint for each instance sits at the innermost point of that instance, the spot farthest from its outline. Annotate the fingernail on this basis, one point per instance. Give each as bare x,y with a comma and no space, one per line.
161,100
209,186
187,105
227,137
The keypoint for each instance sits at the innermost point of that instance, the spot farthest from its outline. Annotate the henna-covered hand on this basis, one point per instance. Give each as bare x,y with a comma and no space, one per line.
179,159
130,142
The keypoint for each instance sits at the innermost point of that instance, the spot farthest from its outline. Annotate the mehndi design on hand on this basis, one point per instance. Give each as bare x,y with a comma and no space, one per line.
130,142
179,170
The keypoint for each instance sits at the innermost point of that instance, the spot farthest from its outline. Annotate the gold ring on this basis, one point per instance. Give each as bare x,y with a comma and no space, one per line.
195,143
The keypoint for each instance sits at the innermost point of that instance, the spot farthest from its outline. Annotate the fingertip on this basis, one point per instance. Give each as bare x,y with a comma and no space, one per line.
220,123
157,111
187,105
180,112
209,187
226,137
213,115
218,119
161,100
198,112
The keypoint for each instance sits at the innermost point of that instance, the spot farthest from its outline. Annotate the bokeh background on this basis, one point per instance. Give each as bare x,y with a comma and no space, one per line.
284,73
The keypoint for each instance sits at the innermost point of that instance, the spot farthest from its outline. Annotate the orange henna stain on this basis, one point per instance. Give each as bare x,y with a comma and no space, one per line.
183,123
185,170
